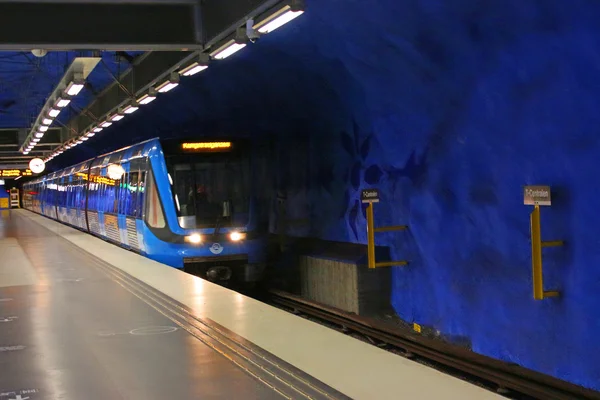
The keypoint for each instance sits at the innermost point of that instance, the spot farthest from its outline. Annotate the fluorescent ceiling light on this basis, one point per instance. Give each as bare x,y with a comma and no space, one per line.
54,112
74,88
117,117
130,109
26,152
43,128
79,141
35,140
84,138
106,124
228,49
62,102
147,98
47,121
39,135
193,69
90,134
167,86
277,19
97,129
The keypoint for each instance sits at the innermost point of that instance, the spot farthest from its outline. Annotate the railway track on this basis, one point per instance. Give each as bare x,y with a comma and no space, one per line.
510,380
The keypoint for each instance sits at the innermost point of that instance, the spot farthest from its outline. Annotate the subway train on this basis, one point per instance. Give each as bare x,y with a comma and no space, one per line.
184,203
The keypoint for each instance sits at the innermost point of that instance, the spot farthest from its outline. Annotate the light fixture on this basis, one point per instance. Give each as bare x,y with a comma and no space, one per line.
26,152
197,66
43,128
39,135
54,112
75,86
47,121
117,117
90,134
35,140
130,109
84,138
106,124
79,141
97,129
169,84
281,17
148,97
62,101
232,46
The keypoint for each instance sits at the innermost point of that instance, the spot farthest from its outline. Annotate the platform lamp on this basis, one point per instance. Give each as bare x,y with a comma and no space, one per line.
117,116
62,100
170,83
279,16
132,107
75,86
148,97
198,65
232,45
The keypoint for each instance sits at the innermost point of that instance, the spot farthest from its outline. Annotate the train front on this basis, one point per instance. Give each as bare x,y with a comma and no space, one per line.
211,215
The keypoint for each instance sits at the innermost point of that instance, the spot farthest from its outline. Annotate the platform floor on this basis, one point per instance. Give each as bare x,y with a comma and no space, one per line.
67,330
83,319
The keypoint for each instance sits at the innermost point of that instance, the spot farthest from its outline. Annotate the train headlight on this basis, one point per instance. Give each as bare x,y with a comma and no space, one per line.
194,238
237,236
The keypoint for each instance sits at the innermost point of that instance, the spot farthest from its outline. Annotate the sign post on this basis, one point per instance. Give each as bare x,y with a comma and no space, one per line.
371,196
538,196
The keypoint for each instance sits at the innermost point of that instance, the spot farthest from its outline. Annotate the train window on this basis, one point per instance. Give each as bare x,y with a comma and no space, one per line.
138,210
211,191
136,185
155,216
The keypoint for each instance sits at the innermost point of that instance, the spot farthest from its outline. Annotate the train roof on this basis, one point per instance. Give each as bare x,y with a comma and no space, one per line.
98,160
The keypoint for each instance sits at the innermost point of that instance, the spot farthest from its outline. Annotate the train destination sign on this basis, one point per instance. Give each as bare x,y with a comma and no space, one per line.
369,195
539,195
205,147
15,173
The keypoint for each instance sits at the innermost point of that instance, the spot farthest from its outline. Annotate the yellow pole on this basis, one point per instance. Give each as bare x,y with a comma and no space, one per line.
370,236
536,254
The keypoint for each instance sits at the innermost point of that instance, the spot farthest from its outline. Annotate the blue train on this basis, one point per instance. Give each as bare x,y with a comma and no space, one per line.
187,204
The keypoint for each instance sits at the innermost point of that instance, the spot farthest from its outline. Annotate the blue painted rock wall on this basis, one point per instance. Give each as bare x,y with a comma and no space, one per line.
449,108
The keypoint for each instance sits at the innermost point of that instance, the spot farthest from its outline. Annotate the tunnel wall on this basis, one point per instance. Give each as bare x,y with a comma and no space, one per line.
449,108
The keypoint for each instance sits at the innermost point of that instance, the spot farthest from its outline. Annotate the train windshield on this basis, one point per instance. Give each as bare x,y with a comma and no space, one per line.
210,191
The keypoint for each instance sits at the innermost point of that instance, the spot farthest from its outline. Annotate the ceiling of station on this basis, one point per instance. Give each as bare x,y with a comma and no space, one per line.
27,80
32,80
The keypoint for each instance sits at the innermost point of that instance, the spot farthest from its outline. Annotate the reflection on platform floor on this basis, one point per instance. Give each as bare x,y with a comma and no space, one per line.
68,331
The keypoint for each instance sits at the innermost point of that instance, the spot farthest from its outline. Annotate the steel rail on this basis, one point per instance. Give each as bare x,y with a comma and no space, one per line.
493,374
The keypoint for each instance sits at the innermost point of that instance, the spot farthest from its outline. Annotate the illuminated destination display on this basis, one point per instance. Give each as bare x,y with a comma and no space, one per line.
15,173
206,146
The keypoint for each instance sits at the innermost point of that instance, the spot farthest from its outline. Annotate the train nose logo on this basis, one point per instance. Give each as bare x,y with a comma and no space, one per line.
216,248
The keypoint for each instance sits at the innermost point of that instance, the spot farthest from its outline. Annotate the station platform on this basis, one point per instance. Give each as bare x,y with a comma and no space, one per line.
83,319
